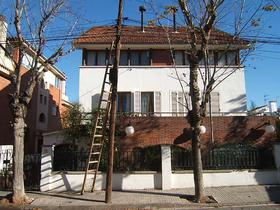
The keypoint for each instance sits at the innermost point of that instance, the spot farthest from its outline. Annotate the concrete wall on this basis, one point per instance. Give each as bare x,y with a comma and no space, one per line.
62,181
163,79
72,181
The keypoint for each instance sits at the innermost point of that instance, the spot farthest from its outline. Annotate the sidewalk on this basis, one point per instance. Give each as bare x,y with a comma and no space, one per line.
149,199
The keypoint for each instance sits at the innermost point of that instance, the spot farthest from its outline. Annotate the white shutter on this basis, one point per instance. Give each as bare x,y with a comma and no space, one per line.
181,102
174,103
132,102
215,103
157,103
137,101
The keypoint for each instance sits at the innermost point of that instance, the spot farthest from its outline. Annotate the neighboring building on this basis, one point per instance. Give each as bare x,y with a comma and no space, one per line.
266,110
147,79
48,102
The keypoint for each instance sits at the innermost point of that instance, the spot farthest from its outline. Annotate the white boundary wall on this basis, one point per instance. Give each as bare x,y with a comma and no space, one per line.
72,181
59,181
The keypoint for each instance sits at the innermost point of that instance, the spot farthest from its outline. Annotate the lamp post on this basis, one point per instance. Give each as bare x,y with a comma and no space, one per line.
129,130
202,129
269,128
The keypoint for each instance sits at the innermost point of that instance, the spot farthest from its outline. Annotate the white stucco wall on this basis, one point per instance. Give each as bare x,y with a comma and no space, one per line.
72,181
232,91
49,78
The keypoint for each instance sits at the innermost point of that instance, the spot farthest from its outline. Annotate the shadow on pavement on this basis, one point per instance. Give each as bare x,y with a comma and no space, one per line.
74,197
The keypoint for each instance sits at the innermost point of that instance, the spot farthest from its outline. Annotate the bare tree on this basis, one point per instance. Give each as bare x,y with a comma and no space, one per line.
31,23
200,19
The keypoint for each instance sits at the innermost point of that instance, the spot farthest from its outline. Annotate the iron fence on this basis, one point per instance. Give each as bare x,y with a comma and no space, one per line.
32,168
147,159
228,157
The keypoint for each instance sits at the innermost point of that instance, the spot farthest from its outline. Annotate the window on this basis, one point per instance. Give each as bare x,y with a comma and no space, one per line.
45,100
41,98
91,58
101,58
179,103
57,82
227,58
140,58
179,57
124,102
147,102
221,58
54,110
42,118
96,58
211,59
215,103
124,58
232,58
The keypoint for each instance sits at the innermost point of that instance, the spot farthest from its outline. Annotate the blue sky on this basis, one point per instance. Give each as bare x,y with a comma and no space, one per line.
262,68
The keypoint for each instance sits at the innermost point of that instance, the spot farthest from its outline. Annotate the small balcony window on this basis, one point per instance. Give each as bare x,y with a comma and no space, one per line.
124,102
147,102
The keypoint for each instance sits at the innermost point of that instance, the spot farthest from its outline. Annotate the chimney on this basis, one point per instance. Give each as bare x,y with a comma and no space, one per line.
174,11
142,9
3,33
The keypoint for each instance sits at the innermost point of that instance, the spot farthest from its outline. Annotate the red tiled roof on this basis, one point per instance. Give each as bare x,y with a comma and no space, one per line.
152,35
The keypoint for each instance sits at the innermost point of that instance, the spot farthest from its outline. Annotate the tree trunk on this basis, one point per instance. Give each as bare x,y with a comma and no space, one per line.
195,122
19,195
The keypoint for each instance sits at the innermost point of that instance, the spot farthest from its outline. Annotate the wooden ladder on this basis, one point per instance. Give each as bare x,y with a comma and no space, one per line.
100,126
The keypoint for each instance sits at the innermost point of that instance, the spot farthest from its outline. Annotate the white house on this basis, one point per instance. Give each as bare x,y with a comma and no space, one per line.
147,77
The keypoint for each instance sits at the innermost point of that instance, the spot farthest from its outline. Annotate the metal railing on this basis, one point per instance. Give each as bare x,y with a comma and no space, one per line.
147,159
32,168
228,157
175,114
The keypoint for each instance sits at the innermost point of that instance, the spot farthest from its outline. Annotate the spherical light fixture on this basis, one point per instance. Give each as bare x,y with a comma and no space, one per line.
269,129
202,129
129,130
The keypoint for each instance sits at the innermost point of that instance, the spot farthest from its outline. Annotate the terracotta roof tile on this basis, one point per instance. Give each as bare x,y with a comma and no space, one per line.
152,35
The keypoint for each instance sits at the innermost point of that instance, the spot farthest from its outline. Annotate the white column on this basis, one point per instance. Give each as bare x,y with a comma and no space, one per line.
277,159
166,172
46,167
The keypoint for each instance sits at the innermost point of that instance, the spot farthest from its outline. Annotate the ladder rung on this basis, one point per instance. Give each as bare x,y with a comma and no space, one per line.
95,153
93,161
91,170
105,91
98,135
105,100
96,144
107,82
99,127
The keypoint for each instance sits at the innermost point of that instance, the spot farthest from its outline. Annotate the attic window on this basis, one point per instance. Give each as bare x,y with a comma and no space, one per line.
95,58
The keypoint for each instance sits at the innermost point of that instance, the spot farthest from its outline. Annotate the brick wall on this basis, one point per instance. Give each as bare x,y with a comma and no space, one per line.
175,130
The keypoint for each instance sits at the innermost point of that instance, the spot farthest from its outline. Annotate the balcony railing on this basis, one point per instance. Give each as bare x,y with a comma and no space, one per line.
175,114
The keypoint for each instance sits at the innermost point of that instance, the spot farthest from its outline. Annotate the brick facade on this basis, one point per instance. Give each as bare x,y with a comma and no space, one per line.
151,131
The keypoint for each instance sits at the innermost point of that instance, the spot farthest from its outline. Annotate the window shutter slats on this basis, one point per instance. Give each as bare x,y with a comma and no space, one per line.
157,101
215,103
137,101
174,103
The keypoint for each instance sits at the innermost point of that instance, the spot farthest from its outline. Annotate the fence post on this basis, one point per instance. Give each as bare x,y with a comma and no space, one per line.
46,167
277,158
166,173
